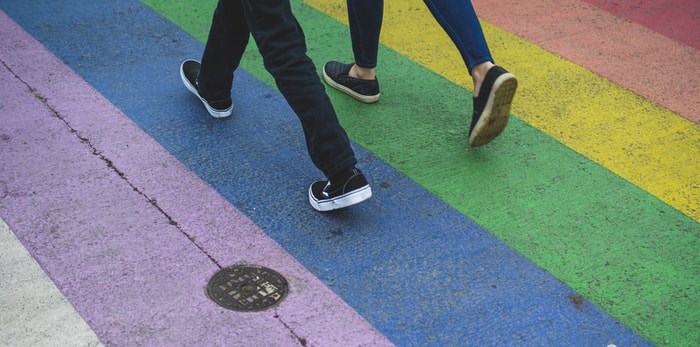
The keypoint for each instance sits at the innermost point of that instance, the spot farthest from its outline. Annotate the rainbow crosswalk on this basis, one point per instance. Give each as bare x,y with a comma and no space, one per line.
578,226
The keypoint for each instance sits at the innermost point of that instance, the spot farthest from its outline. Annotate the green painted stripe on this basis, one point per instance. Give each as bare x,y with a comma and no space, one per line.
641,142
625,250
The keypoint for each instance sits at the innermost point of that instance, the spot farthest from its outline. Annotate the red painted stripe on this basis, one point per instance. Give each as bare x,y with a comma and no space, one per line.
637,58
677,19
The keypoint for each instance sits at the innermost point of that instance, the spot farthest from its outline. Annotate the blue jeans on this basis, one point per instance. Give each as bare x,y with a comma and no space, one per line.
457,18
282,45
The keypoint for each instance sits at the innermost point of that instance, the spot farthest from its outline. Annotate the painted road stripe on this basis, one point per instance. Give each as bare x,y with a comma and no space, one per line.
33,312
133,250
619,246
417,270
677,19
636,58
643,143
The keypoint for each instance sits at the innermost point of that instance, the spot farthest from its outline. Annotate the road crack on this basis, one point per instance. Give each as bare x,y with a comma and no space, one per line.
109,164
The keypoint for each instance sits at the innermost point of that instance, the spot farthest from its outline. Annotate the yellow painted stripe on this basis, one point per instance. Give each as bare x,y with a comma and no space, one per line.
647,145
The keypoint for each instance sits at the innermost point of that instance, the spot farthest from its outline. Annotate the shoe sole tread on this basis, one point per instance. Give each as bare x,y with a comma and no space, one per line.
494,118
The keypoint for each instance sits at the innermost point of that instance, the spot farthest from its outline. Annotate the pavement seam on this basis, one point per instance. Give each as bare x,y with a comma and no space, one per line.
110,165
302,341
122,175
152,201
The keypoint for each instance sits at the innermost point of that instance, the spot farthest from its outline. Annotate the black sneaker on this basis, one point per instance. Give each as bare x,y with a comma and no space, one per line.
189,71
492,107
336,75
327,196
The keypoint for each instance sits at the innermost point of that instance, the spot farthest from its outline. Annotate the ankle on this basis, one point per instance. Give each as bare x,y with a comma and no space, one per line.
362,73
478,74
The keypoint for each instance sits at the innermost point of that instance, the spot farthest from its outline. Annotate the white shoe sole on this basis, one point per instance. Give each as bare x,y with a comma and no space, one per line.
212,111
349,199
494,118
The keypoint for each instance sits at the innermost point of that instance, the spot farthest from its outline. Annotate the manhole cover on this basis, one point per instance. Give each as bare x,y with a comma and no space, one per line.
247,288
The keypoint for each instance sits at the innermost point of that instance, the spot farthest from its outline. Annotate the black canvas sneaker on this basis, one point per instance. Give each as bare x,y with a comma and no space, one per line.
492,107
189,70
327,196
336,75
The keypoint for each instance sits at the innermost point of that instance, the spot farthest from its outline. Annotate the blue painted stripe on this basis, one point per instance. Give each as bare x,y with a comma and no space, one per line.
420,272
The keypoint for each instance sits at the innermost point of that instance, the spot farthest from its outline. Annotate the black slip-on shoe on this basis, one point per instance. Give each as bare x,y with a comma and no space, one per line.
189,71
327,196
492,107
336,75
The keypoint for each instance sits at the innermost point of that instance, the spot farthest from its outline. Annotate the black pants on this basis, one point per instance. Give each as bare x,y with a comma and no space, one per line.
283,47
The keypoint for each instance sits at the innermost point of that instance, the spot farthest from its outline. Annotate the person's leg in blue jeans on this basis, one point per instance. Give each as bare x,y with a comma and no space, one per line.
365,19
460,22
494,87
358,79
282,45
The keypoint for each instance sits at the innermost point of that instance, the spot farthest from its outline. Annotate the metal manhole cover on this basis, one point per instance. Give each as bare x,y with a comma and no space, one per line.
247,288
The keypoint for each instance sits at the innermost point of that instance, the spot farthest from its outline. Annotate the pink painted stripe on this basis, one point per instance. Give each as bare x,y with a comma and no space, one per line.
133,251
634,57
677,19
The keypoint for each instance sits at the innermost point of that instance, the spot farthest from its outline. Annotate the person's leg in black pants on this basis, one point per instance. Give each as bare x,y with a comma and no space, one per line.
228,38
281,42
282,45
